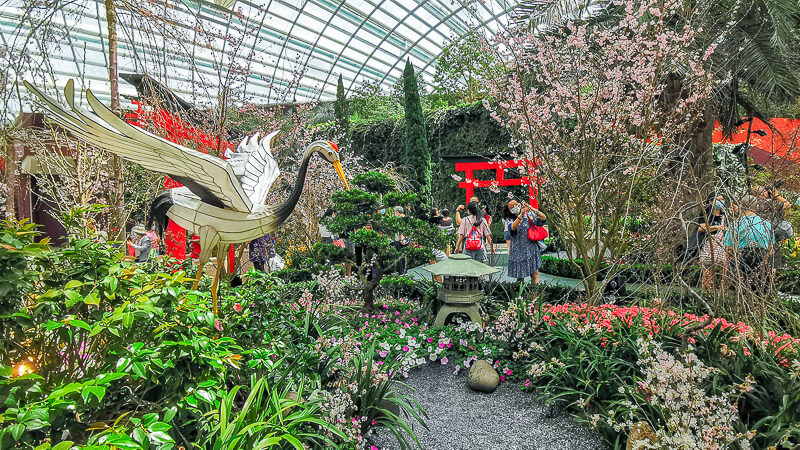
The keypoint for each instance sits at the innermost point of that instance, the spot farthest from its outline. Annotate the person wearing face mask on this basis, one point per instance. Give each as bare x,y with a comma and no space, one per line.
460,208
713,253
526,258
446,225
510,212
750,240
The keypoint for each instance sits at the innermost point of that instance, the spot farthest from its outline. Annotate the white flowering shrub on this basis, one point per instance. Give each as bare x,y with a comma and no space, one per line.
672,394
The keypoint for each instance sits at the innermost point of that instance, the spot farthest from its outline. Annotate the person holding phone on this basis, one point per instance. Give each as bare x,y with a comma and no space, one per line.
475,234
526,258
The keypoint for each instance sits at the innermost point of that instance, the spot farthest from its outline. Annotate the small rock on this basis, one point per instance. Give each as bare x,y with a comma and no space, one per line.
482,377
293,396
390,406
641,432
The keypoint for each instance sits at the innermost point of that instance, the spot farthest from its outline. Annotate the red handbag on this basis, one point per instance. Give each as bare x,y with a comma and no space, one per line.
536,233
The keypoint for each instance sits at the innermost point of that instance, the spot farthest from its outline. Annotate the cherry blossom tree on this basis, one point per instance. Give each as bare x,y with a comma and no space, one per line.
589,106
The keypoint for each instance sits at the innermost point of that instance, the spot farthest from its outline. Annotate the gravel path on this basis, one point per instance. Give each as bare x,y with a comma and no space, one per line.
460,418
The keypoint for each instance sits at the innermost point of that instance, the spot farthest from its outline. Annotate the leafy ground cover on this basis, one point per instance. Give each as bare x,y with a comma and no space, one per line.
97,353
100,354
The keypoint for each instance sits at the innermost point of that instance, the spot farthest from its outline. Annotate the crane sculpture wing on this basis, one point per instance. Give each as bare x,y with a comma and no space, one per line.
255,166
211,179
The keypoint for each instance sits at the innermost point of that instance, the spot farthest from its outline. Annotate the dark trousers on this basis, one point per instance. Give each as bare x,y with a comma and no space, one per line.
401,264
259,265
755,268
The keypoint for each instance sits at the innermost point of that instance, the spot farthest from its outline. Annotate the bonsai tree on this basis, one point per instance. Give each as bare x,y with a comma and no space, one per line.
366,215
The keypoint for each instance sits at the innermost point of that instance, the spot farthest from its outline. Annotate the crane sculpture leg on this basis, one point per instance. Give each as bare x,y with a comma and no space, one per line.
209,241
222,255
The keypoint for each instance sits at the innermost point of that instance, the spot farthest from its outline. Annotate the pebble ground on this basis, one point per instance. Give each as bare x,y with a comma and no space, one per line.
507,419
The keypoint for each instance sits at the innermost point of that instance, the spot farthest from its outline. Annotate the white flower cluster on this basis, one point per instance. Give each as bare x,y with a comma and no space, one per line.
677,389
339,405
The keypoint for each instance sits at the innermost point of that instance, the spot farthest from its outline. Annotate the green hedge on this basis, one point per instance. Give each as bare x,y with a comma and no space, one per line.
456,131
634,273
788,278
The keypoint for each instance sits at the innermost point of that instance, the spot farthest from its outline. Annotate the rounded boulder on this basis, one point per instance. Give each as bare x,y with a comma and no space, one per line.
482,377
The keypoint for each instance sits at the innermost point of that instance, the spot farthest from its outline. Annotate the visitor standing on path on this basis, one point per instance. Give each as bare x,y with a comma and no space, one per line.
259,252
510,213
474,233
487,217
140,243
446,225
526,259
712,249
749,241
155,242
435,220
772,207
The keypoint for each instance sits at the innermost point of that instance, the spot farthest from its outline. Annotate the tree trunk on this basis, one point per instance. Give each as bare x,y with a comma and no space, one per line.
369,290
118,216
11,179
698,139
700,146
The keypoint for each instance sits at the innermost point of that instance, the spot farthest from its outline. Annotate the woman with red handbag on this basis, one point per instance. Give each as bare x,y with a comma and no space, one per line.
527,230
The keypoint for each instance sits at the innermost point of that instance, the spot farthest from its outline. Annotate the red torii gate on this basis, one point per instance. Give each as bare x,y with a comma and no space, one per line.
470,183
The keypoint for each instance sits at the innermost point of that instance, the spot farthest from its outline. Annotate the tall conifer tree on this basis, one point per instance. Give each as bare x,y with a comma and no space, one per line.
340,111
418,157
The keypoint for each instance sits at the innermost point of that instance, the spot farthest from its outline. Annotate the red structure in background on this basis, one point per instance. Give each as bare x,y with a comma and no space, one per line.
470,183
781,136
177,131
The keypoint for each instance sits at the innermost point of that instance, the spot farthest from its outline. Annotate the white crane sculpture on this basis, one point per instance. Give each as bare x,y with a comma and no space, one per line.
221,201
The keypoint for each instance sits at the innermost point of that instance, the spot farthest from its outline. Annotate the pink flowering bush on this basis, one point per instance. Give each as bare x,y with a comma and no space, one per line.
599,111
620,365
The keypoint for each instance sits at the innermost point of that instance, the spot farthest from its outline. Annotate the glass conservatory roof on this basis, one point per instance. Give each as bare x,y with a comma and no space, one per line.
270,51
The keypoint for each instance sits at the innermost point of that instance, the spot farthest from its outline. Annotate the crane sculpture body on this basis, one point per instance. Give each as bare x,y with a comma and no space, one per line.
221,201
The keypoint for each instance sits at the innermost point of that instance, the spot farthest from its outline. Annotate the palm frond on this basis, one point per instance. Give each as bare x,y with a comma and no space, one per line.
548,14
784,18
763,67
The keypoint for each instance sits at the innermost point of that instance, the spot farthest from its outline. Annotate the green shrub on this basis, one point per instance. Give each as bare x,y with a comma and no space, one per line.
126,358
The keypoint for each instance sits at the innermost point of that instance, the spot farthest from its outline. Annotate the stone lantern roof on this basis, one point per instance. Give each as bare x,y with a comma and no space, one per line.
460,265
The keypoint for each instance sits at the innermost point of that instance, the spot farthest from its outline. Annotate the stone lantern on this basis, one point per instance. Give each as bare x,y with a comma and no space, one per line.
461,286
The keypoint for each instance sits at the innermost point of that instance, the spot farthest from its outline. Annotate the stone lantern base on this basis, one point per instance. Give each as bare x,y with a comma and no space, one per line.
459,302
450,308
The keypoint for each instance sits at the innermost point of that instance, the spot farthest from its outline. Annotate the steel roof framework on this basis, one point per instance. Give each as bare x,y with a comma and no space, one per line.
362,40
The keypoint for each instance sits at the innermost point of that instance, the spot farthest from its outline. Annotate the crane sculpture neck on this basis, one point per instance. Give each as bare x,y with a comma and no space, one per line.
285,209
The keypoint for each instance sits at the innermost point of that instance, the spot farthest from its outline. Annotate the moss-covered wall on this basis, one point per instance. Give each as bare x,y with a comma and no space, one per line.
463,130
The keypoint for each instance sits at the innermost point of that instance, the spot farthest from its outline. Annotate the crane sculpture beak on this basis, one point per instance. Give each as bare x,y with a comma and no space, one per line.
338,166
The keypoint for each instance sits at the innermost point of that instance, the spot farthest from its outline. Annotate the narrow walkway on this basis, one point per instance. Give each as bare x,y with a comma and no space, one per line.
508,419
501,262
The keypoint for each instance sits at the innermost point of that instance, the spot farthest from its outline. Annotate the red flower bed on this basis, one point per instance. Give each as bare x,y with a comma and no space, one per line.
610,318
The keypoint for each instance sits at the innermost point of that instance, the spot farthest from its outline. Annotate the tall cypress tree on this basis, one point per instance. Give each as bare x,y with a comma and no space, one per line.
340,112
418,157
